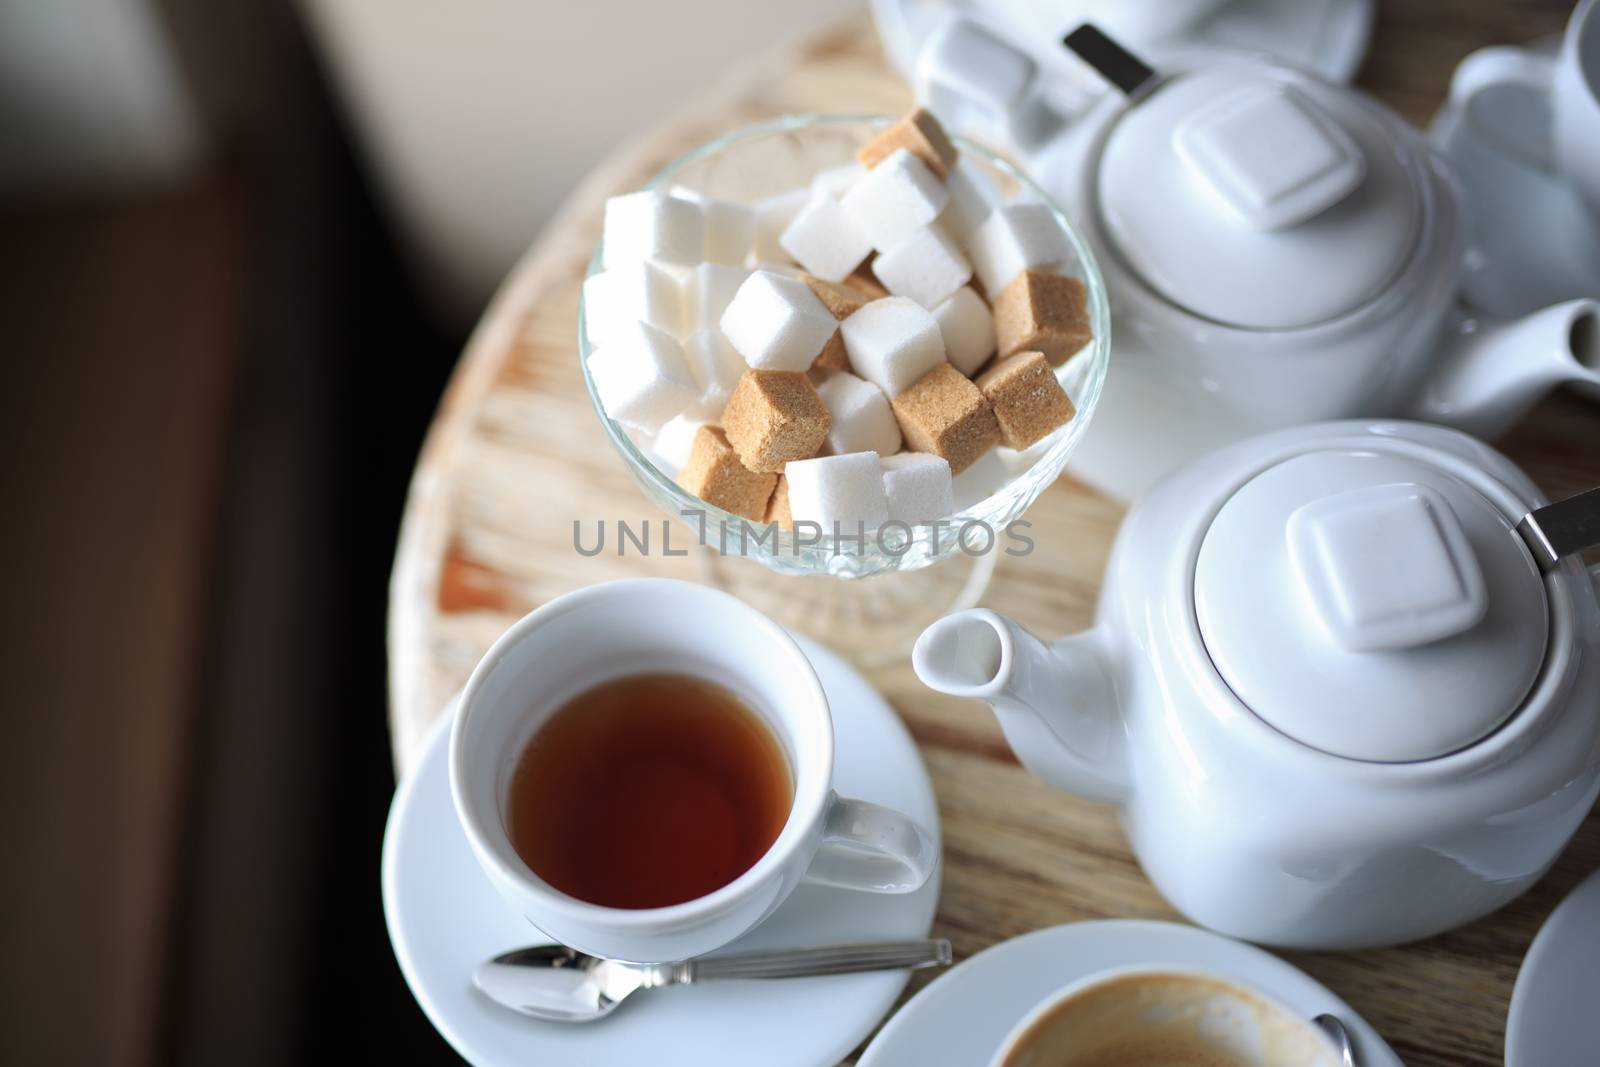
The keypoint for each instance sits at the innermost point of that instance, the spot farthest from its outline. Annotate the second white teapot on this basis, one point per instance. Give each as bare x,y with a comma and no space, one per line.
1277,249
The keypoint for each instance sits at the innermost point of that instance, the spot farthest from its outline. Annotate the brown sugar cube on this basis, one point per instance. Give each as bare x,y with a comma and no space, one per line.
1027,400
1042,313
773,417
833,356
715,475
865,281
819,374
778,507
944,413
842,302
921,134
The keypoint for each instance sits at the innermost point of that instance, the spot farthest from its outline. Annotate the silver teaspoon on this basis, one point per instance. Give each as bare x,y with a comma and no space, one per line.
1330,1025
559,984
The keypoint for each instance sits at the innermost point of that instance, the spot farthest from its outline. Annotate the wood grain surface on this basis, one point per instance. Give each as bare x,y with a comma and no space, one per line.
516,455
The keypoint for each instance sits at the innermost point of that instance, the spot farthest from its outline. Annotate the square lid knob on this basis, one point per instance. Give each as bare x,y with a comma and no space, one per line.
1271,155
1369,602
1387,567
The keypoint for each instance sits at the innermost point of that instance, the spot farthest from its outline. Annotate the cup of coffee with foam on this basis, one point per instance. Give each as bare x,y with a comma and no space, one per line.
644,770
1163,1017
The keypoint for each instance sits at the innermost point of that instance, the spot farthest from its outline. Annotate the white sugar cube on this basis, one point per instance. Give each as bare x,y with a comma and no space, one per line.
710,288
1013,239
717,369
895,198
980,481
730,231
644,442
729,227
967,326
927,267
892,342
843,490
599,306
972,197
860,414
653,225
917,487
643,377
825,240
783,268
835,180
635,290
1019,462
773,216
671,446
777,323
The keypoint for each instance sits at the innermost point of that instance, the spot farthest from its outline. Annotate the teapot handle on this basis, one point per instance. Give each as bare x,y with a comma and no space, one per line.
1506,65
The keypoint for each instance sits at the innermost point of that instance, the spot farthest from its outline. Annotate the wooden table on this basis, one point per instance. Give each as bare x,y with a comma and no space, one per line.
516,455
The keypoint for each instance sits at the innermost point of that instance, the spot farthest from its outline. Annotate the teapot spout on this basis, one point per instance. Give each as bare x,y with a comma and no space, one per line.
1055,703
1493,372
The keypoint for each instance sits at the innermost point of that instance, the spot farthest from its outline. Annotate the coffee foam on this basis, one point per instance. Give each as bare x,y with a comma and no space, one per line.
1166,1019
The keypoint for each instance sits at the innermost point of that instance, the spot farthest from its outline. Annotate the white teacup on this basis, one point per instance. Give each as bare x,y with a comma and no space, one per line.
639,626
1571,80
1150,1015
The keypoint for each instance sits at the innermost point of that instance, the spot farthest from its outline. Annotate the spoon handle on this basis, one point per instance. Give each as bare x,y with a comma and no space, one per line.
827,959
1330,1025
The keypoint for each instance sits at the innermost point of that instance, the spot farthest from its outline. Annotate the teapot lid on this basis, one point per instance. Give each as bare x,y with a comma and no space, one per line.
1259,197
1371,605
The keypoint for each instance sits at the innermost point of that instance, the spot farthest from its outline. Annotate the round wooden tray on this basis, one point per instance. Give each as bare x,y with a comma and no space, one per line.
516,456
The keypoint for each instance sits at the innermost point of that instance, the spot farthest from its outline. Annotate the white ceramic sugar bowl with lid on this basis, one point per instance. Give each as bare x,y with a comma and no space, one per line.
1277,249
1340,697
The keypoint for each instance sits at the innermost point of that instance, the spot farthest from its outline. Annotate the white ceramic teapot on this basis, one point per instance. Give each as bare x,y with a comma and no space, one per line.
1278,250
1341,698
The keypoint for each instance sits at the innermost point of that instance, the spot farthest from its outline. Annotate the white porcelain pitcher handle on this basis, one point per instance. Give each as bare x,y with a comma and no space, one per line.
870,847
1506,65
975,80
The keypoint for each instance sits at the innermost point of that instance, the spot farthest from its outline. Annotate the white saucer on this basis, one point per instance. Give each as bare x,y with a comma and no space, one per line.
963,1016
1531,241
444,919
1552,1005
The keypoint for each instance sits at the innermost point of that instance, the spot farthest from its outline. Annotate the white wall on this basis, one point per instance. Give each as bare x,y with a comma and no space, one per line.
480,115
90,98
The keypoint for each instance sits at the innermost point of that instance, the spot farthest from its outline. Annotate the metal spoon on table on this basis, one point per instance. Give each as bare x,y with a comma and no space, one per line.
560,984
